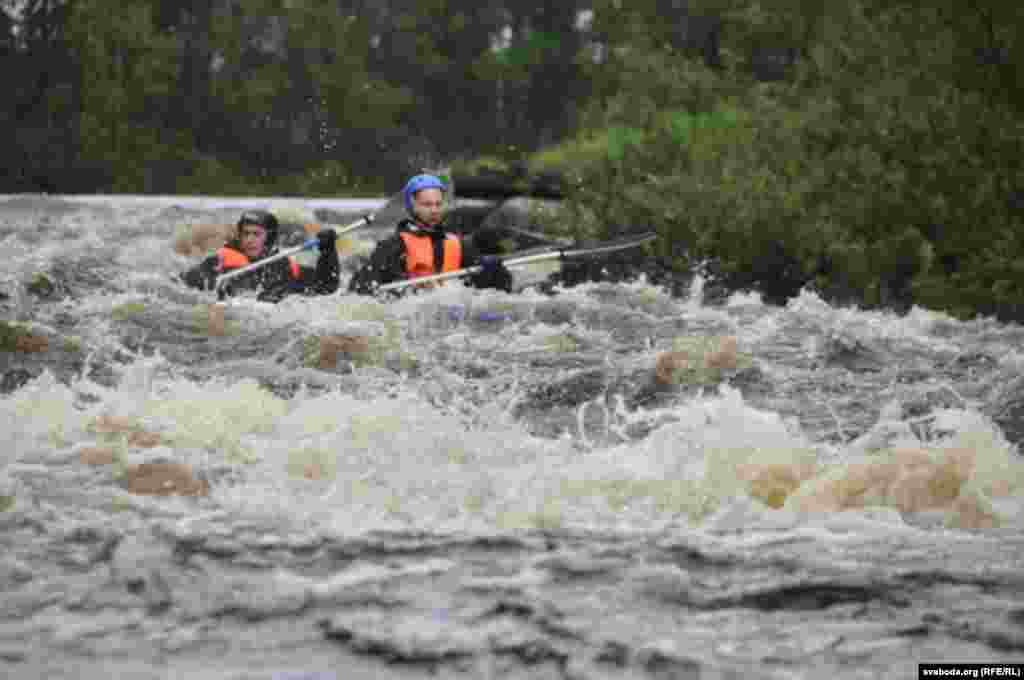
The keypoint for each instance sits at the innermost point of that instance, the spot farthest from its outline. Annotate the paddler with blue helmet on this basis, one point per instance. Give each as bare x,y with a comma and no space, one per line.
423,245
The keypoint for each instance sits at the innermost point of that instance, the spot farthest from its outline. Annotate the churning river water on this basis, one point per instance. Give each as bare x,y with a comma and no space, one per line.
607,482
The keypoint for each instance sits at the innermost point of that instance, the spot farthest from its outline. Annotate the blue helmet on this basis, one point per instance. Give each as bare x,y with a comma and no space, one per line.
417,184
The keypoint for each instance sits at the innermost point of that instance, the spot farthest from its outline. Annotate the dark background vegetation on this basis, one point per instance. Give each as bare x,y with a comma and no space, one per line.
300,96
868,149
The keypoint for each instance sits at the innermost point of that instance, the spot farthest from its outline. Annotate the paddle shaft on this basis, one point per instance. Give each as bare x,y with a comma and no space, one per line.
560,254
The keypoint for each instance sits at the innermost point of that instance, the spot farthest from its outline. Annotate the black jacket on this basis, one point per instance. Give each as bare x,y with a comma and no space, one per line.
387,262
274,281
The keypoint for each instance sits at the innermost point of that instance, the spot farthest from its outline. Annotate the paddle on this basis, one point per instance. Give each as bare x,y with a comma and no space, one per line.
521,259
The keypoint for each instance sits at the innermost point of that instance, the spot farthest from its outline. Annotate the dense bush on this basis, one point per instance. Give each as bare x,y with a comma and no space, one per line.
878,174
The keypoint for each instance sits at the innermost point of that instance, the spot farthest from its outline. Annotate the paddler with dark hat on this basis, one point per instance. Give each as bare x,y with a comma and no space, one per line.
255,239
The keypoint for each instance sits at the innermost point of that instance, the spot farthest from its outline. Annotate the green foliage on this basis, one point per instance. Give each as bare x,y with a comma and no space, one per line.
611,143
877,175
152,113
9,334
481,165
124,70
211,175
531,52
128,310
41,286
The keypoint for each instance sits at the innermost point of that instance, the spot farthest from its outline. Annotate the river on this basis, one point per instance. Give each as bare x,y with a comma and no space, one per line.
607,482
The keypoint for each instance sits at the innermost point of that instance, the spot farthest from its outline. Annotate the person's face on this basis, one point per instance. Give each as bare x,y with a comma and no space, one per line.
428,206
252,237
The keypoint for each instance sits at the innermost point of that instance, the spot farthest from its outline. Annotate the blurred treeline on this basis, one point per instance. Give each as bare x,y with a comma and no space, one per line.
297,96
869,149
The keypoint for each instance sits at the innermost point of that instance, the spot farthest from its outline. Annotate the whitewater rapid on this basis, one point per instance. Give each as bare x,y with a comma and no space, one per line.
486,484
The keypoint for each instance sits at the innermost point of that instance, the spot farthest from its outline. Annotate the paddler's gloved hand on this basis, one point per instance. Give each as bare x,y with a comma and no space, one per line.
328,239
494,274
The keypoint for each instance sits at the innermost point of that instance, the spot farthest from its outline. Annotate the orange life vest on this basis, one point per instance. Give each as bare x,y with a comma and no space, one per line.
229,258
419,254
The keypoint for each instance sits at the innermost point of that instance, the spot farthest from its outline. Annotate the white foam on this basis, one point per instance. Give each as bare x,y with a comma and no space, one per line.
440,452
